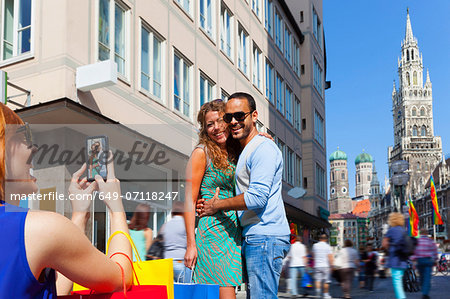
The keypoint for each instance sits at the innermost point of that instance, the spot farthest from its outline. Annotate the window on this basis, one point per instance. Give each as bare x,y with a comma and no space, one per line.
282,148
206,16
423,131
226,31
257,67
318,128
422,111
302,19
182,78
289,166
320,181
186,5
17,32
268,20
224,95
256,7
298,171
408,79
287,45
414,131
317,28
269,82
278,30
318,77
297,114
280,95
296,58
414,111
288,97
151,62
343,176
206,89
243,50
415,78
112,45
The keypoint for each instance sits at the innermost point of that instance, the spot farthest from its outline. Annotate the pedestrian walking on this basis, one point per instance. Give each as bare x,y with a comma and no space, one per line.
361,269
259,172
394,242
370,258
297,261
323,261
349,261
426,256
174,236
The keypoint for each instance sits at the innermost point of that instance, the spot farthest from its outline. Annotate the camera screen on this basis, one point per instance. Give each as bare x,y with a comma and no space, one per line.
97,150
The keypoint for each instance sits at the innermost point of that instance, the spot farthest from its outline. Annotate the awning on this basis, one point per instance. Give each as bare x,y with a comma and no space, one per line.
302,217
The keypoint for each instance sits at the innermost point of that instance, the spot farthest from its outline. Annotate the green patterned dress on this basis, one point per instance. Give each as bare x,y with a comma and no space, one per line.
218,236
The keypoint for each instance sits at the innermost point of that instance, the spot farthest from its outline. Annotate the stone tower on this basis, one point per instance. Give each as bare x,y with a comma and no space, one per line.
363,178
412,107
340,202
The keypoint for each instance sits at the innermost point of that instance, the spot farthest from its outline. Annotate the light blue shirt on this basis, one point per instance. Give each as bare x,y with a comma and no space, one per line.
264,164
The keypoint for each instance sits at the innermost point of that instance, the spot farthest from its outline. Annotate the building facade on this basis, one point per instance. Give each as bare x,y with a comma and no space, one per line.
412,108
340,201
170,57
348,226
363,175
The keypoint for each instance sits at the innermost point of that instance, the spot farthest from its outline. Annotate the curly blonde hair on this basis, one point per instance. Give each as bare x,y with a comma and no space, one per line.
396,219
7,117
218,158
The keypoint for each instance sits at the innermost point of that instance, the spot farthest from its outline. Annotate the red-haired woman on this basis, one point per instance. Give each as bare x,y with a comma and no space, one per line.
141,234
36,244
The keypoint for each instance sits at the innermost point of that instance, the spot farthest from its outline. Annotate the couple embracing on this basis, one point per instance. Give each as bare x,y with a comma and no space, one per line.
236,182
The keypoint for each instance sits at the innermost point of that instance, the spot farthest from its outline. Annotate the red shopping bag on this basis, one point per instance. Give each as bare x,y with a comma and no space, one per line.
154,292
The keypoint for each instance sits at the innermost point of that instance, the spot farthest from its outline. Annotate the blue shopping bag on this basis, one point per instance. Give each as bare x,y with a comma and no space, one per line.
195,291
306,281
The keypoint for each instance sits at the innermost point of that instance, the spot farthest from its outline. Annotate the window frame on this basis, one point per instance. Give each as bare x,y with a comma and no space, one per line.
319,128
317,28
318,77
279,92
320,181
15,56
183,62
288,105
297,115
210,32
287,44
181,5
258,6
278,30
268,91
127,25
268,16
224,42
152,36
298,182
257,67
209,87
243,51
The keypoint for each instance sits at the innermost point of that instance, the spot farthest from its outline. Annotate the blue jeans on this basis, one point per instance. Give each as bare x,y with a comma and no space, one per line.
264,260
292,281
397,281
181,273
424,265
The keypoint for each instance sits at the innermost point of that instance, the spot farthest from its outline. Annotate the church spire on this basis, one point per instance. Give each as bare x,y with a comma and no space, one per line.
409,34
428,77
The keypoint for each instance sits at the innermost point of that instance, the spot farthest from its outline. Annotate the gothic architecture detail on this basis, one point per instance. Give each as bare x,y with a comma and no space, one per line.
412,107
340,202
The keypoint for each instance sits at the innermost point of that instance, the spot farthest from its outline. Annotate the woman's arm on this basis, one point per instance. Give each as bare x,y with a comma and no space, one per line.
194,175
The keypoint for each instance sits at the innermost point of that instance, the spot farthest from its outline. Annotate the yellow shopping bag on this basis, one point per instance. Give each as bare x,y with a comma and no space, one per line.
154,272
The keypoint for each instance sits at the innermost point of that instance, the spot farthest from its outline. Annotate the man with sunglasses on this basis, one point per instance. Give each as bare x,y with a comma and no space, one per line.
259,202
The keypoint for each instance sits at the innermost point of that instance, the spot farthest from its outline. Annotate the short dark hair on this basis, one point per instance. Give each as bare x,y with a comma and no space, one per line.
243,95
323,237
348,243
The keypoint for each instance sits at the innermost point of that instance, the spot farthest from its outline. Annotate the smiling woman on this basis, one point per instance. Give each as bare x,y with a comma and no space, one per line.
36,245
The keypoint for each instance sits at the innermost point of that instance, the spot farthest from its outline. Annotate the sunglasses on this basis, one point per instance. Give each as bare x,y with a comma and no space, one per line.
238,116
26,129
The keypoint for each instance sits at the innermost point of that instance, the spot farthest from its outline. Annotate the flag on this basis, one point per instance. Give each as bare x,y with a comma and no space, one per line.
437,220
413,220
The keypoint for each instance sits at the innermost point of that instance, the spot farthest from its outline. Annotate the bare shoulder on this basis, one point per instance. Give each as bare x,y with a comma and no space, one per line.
198,153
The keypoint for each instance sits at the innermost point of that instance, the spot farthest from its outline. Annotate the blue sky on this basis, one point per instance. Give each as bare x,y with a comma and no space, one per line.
363,42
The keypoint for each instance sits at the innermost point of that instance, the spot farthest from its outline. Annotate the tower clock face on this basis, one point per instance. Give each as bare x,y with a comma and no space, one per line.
333,191
344,190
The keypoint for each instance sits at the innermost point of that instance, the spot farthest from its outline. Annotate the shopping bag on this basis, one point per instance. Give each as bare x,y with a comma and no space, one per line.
142,291
154,272
306,281
196,291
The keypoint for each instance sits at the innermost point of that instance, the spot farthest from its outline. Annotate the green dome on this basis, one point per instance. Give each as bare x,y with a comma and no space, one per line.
338,155
363,158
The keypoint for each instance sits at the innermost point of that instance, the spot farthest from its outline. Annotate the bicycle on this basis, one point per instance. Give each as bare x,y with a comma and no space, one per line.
442,267
410,280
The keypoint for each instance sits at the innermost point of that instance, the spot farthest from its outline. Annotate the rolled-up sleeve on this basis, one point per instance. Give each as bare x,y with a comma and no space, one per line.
263,165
